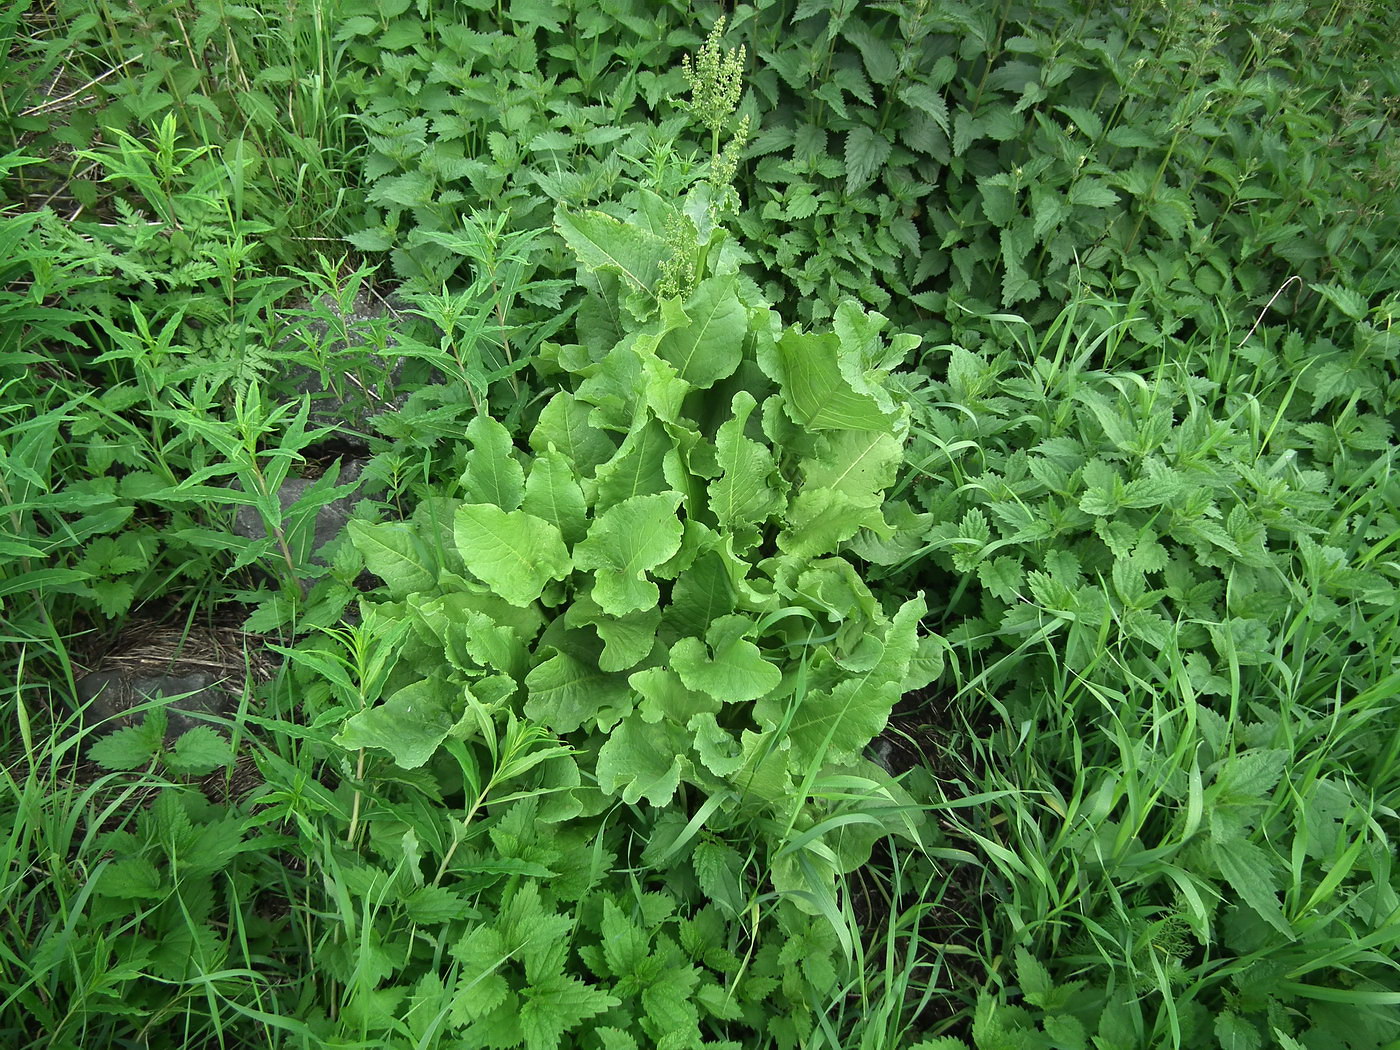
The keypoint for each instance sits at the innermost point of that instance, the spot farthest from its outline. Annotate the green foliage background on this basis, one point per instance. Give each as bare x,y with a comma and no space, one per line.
1019,378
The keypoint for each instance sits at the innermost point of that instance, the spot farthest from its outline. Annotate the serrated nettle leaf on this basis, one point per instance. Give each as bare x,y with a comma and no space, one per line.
866,153
492,474
626,540
1249,871
719,867
514,553
131,747
928,100
199,751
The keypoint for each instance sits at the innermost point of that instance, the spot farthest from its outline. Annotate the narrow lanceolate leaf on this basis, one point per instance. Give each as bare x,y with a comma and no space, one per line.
514,553
630,538
743,495
710,346
492,474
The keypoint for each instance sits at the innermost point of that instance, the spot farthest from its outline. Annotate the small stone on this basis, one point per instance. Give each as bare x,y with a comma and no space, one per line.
108,698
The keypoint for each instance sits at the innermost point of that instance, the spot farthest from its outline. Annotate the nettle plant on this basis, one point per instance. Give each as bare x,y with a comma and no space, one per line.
658,580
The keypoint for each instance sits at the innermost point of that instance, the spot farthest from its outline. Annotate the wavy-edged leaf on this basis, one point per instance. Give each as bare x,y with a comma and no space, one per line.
513,552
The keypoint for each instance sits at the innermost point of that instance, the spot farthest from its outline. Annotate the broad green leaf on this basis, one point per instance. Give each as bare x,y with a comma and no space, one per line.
726,665
514,553
565,692
862,464
616,386
664,695
710,346
663,390
602,242
743,495
638,468
643,760
629,538
821,389
564,423
552,494
492,474
841,721
411,724
721,754
702,593
394,553
820,520
626,640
